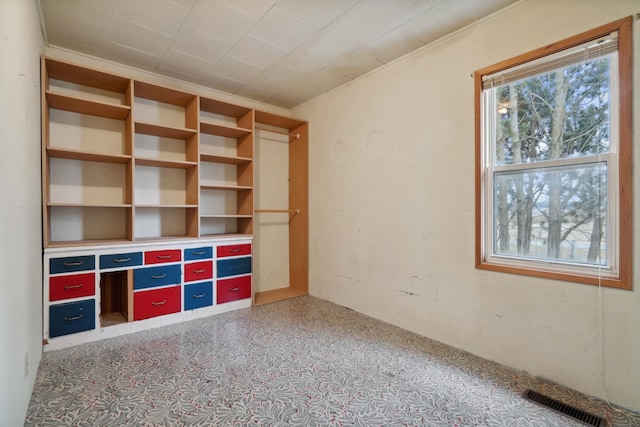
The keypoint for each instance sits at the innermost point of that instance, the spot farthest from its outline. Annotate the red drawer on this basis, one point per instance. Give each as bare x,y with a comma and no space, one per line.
233,289
198,271
156,302
233,250
158,257
72,286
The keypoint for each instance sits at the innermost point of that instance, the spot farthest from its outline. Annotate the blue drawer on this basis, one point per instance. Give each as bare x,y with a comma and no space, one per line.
198,253
157,276
72,317
234,266
72,263
198,295
120,260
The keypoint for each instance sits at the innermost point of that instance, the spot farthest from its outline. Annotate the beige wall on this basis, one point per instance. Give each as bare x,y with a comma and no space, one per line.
392,212
20,216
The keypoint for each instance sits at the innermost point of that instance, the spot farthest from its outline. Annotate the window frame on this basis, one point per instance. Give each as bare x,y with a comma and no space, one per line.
623,217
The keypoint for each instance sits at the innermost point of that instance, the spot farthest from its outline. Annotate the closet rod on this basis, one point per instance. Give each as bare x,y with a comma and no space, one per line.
292,137
297,211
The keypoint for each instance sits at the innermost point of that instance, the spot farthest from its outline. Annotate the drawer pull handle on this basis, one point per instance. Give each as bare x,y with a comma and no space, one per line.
234,289
73,264
198,252
122,260
73,318
198,296
159,276
68,287
164,256
164,301
202,270
234,250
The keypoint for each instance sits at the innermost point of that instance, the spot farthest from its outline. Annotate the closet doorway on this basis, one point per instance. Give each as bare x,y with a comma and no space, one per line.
281,219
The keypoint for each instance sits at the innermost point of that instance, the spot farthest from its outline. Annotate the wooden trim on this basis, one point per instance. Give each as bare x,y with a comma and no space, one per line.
625,164
129,136
130,295
625,159
552,48
44,132
299,199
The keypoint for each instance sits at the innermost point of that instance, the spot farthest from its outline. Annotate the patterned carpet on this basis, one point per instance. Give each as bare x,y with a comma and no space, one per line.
302,362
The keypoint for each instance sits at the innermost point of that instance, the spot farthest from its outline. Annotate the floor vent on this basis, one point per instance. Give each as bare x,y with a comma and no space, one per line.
577,414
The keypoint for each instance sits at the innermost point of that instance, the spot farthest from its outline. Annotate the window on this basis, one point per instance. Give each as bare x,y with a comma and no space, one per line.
553,160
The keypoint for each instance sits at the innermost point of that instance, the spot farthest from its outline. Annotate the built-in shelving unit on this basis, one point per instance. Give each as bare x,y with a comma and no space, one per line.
87,155
226,168
128,162
166,162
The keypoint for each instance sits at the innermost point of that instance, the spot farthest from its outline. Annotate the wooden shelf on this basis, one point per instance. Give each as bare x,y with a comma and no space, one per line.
60,70
167,238
225,235
87,205
224,159
275,295
226,216
110,319
160,206
162,94
277,121
62,153
160,163
225,187
67,243
223,130
164,131
85,106
222,108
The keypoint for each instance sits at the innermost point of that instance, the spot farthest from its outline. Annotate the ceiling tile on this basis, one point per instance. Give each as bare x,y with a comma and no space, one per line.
253,8
144,39
130,56
260,90
448,16
95,12
358,64
236,70
315,13
77,34
282,29
392,46
256,52
279,51
327,79
219,20
186,65
202,45
222,83
159,15
187,4
295,95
